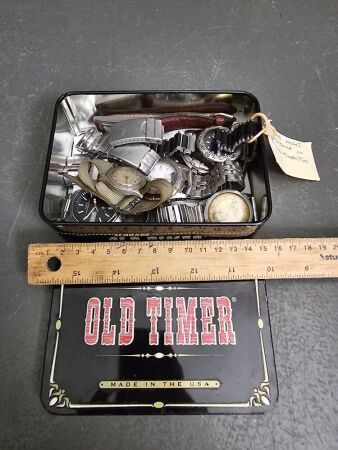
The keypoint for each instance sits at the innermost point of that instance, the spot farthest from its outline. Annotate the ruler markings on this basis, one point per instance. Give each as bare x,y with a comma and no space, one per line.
159,261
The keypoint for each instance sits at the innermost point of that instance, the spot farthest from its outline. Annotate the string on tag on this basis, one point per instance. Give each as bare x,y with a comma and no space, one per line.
267,129
294,157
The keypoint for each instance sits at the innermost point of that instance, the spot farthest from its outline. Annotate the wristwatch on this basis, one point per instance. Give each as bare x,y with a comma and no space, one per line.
220,144
228,206
125,180
82,206
134,142
119,186
123,187
185,142
178,211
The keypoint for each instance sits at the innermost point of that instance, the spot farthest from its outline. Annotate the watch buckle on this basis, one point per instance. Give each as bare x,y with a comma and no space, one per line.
139,156
146,131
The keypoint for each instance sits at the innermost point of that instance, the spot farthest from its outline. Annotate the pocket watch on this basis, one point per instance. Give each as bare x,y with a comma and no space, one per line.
228,206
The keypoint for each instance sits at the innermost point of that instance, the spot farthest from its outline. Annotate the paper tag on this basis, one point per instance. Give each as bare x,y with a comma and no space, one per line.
295,158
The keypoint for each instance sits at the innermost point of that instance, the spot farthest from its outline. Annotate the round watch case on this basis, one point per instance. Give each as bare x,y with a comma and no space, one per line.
87,208
228,206
205,144
126,180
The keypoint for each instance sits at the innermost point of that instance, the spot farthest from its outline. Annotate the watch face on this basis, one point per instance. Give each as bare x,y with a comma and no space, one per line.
215,145
170,171
124,177
87,208
166,170
228,206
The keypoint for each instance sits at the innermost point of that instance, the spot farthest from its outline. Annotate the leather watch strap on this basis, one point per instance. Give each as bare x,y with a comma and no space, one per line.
182,121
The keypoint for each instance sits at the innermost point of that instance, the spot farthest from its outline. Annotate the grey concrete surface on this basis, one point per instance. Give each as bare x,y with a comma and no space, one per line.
285,52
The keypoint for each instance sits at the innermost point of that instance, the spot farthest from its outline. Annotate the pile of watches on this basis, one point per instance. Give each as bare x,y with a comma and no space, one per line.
174,168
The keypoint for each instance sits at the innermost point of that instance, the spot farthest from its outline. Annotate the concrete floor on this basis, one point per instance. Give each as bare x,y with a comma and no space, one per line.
285,52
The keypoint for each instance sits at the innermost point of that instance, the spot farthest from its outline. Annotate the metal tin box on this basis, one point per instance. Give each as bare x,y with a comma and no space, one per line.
74,114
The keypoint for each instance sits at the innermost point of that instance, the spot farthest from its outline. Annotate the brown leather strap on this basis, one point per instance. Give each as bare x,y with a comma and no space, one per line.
182,121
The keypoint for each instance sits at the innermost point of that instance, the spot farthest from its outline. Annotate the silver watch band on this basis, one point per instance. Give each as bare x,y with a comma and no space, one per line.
127,141
136,131
140,156
202,186
234,174
178,212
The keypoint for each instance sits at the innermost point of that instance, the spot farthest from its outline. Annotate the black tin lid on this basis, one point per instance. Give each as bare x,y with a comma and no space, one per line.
201,348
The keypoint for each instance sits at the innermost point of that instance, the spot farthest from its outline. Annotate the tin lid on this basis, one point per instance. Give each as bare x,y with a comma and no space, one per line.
184,349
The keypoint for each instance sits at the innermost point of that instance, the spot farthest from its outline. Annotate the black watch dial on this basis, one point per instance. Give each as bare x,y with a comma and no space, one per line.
215,144
87,208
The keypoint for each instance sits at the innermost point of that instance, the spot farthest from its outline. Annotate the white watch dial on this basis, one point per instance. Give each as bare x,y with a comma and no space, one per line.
170,171
228,206
165,170
124,177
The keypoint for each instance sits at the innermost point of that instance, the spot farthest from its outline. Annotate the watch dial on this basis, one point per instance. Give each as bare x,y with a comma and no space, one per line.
228,207
127,178
87,208
165,170
215,144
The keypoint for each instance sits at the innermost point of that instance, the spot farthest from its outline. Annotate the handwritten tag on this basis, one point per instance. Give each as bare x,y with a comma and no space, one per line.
295,158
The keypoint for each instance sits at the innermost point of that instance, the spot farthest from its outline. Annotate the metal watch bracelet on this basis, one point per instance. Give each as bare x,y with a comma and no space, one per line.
179,211
202,186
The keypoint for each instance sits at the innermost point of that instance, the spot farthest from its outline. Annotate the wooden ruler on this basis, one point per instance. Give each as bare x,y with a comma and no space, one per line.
170,261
